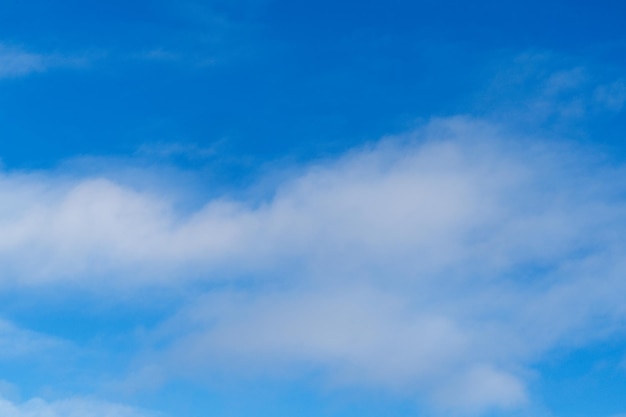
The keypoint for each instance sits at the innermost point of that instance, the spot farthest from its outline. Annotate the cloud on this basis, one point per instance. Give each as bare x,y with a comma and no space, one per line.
417,203
481,387
383,202
442,264
74,407
612,95
159,54
544,90
16,62
17,342
366,338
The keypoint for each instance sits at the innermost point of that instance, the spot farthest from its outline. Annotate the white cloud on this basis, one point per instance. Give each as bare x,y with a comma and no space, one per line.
442,264
426,209
74,407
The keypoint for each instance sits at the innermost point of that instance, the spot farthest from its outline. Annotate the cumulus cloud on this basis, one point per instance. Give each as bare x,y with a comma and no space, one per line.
379,202
432,207
441,264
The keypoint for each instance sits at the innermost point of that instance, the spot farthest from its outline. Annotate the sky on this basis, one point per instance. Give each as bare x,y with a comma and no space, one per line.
269,208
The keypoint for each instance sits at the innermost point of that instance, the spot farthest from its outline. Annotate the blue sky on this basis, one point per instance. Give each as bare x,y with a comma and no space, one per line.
315,209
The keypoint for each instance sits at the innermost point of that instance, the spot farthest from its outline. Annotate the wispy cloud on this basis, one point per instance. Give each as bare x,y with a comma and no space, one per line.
538,89
15,62
159,54
74,407
612,96
18,62
16,342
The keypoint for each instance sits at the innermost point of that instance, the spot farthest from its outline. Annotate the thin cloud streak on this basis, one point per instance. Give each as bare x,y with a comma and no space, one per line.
73,407
17,62
17,342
